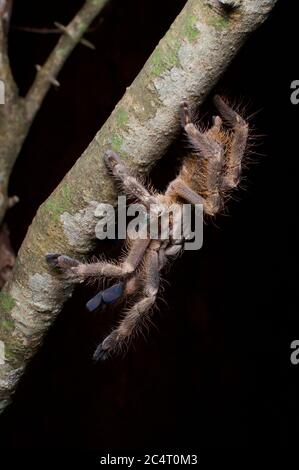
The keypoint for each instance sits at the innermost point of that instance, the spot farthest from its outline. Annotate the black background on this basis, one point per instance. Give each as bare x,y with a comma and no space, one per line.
216,371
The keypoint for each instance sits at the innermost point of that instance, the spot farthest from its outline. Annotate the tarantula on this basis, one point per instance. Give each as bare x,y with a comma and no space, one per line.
207,174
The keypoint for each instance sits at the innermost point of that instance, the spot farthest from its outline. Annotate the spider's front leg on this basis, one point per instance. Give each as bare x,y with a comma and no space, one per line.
130,184
78,272
82,271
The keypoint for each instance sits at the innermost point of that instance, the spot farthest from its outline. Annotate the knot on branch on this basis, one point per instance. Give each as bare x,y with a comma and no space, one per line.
49,77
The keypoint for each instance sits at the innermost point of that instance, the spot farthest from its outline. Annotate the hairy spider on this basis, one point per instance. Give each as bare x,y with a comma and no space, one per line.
207,174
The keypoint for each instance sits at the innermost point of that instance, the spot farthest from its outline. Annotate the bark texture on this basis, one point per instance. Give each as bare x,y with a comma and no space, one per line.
186,63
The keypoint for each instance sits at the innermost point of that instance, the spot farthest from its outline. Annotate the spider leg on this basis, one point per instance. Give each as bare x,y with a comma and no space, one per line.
116,291
56,260
81,271
203,142
137,313
217,123
211,150
107,296
233,161
179,188
130,184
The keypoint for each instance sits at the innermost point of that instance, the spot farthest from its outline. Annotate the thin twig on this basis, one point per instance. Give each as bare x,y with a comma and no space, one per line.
72,34
36,30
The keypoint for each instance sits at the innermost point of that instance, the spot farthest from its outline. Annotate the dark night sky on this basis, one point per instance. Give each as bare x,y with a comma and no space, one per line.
216,371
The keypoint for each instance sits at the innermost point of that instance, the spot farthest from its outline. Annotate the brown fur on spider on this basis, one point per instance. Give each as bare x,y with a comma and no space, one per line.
207,175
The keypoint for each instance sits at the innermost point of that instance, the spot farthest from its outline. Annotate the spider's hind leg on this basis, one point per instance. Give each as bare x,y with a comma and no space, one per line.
206,144
203,174
137,314
237,147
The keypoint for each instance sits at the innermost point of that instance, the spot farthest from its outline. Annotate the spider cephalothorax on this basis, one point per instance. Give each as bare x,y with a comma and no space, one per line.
207,174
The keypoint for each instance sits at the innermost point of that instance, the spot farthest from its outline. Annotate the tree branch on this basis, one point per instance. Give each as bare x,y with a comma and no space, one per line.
187,63
11,112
